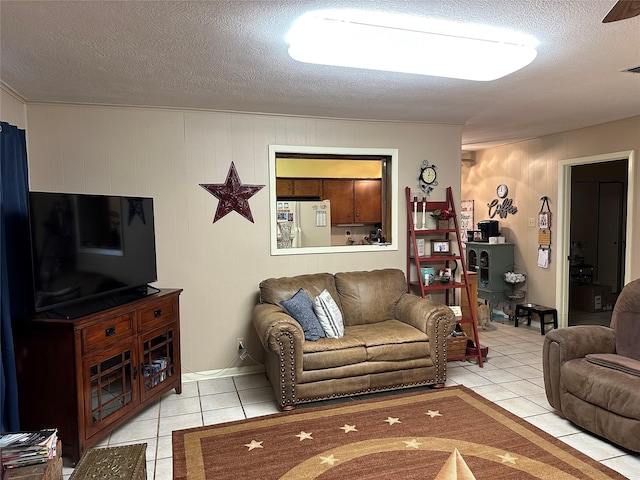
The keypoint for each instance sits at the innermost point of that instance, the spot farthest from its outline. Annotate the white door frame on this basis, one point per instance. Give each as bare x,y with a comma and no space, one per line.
564,222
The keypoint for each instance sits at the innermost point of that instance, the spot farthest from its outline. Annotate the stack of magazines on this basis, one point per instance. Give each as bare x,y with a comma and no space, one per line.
27,448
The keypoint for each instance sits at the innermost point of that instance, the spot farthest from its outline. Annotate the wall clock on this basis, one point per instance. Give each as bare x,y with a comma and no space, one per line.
502,190
428,177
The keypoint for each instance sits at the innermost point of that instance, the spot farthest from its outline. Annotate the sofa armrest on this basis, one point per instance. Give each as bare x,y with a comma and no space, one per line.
434,319
579,341
564,344
270,322
282,338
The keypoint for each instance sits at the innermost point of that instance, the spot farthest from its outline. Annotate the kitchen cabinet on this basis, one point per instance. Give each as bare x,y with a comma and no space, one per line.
354,200
298,187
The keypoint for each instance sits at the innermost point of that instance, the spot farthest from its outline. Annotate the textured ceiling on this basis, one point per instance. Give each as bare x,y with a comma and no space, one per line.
231,55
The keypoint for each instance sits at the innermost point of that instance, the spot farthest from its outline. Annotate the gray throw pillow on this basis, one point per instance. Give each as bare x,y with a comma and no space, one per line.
301,309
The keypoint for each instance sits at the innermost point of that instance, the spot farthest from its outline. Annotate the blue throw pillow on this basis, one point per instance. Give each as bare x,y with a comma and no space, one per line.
300,308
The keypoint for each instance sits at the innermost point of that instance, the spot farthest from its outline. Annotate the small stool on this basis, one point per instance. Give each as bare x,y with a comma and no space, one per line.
541,310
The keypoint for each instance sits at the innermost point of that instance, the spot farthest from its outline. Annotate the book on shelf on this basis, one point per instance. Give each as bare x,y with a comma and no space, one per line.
19,449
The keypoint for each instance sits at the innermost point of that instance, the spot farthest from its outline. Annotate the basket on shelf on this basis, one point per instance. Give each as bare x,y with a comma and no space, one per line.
443,224
457,346
515,278
517,295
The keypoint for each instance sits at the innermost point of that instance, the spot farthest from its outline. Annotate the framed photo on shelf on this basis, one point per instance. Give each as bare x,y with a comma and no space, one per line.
440,247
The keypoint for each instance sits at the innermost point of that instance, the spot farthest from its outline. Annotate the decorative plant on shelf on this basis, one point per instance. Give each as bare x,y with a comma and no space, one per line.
442,214
442,218
445,275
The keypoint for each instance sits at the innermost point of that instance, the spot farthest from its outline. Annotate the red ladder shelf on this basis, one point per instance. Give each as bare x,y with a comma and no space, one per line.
420,261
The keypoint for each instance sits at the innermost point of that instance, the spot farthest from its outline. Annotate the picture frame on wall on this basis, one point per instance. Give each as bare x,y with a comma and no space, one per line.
544,220
466,218
440,247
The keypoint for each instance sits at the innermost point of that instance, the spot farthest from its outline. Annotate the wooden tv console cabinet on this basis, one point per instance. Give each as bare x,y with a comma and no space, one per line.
87,376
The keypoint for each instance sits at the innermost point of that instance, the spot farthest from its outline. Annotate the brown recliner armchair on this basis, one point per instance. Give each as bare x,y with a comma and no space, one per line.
592,373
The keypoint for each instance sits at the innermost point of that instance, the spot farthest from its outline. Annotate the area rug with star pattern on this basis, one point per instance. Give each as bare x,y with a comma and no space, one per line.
451,433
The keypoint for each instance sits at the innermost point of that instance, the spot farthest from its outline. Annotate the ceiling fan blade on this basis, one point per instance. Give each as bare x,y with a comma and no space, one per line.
622,10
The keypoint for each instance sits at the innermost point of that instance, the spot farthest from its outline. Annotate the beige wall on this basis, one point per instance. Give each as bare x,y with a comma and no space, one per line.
530,169
12,108
166,154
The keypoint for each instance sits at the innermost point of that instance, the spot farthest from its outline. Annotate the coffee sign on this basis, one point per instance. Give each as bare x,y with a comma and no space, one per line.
502,209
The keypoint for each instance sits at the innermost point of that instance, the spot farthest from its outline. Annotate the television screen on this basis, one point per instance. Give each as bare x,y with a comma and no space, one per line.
87,246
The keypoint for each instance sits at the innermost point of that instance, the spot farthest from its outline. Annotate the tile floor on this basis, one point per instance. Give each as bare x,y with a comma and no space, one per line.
511,377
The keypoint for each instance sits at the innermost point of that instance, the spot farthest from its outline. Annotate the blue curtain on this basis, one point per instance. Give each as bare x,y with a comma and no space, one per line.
15,280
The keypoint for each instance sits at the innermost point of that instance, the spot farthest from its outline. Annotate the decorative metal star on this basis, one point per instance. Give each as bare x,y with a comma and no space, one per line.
233,195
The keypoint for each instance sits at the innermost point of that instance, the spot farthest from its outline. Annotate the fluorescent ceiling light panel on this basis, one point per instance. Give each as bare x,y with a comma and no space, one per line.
401,43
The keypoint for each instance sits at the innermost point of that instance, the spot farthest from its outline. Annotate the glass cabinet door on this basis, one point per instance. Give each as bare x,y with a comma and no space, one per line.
157,358
111,379
484,268
473,260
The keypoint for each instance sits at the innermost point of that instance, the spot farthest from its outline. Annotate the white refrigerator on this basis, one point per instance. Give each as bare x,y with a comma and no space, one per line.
304,224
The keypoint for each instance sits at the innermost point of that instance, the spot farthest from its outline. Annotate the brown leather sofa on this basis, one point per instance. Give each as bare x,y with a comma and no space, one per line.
592,373
392,339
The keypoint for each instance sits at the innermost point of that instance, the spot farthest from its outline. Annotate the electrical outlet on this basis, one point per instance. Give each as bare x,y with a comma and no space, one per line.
240,343
532,221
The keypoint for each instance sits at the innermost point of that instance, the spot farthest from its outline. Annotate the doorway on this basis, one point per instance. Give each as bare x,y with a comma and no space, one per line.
597,232
594,236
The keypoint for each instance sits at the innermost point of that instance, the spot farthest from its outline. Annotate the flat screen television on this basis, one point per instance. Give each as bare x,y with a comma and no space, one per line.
90,252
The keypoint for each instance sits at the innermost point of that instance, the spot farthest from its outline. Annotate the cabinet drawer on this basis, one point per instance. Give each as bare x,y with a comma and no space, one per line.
108,332
157,314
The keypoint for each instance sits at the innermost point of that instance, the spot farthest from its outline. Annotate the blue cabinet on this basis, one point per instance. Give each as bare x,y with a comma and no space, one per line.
490,261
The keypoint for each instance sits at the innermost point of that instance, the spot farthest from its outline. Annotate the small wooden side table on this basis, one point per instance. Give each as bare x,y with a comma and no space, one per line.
541,310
